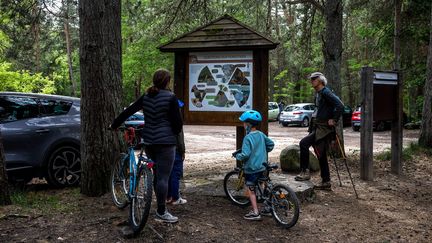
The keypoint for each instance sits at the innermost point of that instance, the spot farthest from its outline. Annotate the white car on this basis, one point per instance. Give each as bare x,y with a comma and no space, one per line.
273,111
299,114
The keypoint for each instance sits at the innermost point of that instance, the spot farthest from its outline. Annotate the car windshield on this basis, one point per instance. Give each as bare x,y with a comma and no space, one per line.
292,108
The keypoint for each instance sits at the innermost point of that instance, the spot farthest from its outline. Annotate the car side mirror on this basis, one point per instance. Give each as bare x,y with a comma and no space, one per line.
2,110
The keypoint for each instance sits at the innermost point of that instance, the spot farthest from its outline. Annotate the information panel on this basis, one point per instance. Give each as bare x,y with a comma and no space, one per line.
220,81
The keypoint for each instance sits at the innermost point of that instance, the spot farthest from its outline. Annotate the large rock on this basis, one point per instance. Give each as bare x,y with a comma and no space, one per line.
290,159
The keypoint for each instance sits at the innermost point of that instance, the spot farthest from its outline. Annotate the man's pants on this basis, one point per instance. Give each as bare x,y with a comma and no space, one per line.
320,148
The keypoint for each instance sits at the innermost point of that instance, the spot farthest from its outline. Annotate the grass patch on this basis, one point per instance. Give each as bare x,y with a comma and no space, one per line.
407,153
45,201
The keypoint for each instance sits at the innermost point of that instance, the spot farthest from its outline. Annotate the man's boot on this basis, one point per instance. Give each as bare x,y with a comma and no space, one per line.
303,176
323,186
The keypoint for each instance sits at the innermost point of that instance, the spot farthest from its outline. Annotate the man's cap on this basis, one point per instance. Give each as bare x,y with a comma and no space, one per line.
315,75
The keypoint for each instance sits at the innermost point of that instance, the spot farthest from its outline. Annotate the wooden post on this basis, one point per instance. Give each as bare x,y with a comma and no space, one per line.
240,134
366,131
397,131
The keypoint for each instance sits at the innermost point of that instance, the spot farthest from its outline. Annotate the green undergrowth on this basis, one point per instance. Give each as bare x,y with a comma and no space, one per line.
407,153
45,201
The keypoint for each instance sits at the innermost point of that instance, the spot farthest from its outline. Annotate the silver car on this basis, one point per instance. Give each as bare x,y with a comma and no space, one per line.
41,137
298,114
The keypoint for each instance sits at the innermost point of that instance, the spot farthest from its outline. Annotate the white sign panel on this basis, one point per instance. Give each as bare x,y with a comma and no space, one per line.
389,78
220,81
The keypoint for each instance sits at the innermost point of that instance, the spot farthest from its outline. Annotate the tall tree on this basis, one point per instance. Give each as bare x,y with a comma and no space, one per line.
66,23
332,46
332,40
101,72
4,187
426,128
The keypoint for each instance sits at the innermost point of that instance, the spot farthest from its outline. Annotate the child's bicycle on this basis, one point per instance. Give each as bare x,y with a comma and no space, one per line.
132,182
280,199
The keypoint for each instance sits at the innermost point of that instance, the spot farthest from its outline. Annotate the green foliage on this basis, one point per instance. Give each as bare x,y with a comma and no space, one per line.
24,81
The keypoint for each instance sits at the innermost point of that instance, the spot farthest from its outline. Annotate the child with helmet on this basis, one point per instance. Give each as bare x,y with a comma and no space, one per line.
254,151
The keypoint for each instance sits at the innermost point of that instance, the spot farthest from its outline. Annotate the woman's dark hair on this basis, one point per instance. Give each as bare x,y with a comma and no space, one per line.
160,80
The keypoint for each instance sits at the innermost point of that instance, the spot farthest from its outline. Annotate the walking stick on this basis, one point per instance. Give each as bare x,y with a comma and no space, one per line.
346,165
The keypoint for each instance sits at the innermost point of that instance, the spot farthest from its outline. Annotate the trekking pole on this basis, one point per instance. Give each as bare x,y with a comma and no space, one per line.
346,164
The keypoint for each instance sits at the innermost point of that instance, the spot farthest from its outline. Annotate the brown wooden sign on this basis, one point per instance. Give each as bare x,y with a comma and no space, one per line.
221,70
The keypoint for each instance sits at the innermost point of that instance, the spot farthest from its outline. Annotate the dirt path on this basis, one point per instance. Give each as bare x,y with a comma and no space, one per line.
391,208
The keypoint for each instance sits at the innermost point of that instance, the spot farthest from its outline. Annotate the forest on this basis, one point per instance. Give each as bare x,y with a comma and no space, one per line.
106,51
39,43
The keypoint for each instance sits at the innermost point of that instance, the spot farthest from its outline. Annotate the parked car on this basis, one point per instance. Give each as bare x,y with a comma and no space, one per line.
273,111
41,137
377,125
136,121
346,116
299,114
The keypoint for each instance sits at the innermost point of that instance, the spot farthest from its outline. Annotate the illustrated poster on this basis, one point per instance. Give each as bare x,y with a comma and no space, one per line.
220,81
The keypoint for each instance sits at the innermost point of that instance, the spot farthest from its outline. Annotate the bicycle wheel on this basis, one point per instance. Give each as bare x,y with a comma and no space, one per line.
285,206
120,181
141,201
235,188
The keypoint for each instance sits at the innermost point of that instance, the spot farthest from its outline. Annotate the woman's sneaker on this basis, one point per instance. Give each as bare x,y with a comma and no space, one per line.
179,201
166,217
252,216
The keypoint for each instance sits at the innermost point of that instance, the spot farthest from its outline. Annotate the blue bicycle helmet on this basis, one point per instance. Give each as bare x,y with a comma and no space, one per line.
251,116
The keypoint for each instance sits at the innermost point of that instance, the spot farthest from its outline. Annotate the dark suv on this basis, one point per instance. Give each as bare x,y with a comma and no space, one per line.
41,137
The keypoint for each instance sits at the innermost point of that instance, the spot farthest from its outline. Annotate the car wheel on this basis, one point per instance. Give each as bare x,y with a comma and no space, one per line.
64,167
305,122
355,128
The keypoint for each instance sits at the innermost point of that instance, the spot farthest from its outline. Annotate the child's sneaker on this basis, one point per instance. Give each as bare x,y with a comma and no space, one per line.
179,201
266,211
252,216
166,217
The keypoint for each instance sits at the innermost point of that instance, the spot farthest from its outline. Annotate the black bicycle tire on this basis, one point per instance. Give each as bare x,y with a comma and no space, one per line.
147,197
292,198
115,173
231,175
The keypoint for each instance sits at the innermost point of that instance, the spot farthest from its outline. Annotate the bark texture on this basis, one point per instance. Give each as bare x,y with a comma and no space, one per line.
332,48
426,128
100,67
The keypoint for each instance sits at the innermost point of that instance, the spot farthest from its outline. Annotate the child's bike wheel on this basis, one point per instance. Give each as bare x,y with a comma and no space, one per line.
141,201
235,188
120,181
285,206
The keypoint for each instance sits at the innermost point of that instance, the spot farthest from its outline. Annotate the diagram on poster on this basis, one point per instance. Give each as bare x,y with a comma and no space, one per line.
220,81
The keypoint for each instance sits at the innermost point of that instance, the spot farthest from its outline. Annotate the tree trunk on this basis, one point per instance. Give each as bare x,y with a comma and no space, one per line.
4,186
397,32
332,48
69,48
426,128
35,28
101,92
